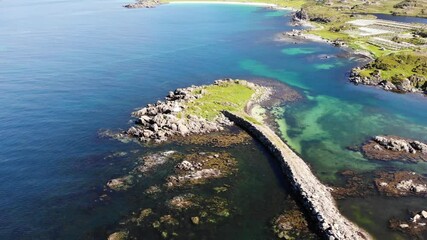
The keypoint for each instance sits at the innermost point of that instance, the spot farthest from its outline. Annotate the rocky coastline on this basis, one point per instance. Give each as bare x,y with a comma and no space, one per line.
375,79
165,119
411,84
143,4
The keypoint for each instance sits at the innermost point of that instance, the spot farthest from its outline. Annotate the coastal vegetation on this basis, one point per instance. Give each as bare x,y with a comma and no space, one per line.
396,67
230,96
399,49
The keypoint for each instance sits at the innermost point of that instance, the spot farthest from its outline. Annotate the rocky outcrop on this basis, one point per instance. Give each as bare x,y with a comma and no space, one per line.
121,183
143,4
404,86
292,225
300,17
315,196
401,183
296,36
157,122
146,164
416,225
151,161
118,236
200,167
395,148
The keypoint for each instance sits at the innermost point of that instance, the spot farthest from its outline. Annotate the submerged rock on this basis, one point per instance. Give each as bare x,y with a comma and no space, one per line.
197,168
221,139
195,220
415,226
182,202
153,190
149,162
356,185
291,225
118,236
119,184
153,160
402,183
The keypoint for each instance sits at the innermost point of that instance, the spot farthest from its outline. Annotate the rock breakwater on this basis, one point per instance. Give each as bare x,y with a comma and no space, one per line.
315,197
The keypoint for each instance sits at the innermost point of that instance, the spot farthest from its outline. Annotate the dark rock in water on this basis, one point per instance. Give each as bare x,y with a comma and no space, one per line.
415,226
221,139
195,220
388,148
143,4
182,201
292,225
118,236
402,183
198,168
353,148
153,160
357,185
119,184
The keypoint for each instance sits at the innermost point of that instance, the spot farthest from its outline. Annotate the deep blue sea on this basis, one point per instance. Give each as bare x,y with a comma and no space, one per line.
69,69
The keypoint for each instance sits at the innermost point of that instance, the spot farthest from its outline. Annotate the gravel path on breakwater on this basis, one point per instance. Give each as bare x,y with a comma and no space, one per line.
315,196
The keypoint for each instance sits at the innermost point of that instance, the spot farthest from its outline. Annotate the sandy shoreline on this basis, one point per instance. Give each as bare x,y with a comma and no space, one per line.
258,4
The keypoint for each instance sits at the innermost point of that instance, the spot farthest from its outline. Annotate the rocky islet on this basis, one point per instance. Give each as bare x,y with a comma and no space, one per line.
395,148
165,119
143,4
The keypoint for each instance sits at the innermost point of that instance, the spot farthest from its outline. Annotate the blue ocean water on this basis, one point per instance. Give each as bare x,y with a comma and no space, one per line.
70,68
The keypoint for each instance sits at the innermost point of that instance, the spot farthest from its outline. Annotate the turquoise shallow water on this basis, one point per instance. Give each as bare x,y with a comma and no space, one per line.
70,68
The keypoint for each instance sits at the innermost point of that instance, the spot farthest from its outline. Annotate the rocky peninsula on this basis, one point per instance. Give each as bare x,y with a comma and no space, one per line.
194,110
209,108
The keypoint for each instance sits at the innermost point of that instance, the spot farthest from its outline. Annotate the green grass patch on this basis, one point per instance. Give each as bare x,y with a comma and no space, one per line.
329,35
232,97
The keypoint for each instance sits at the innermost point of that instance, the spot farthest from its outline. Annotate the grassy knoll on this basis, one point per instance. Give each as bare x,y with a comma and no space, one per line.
229,96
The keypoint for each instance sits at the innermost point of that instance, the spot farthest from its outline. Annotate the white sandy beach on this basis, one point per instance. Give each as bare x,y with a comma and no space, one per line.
224,2
259,4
